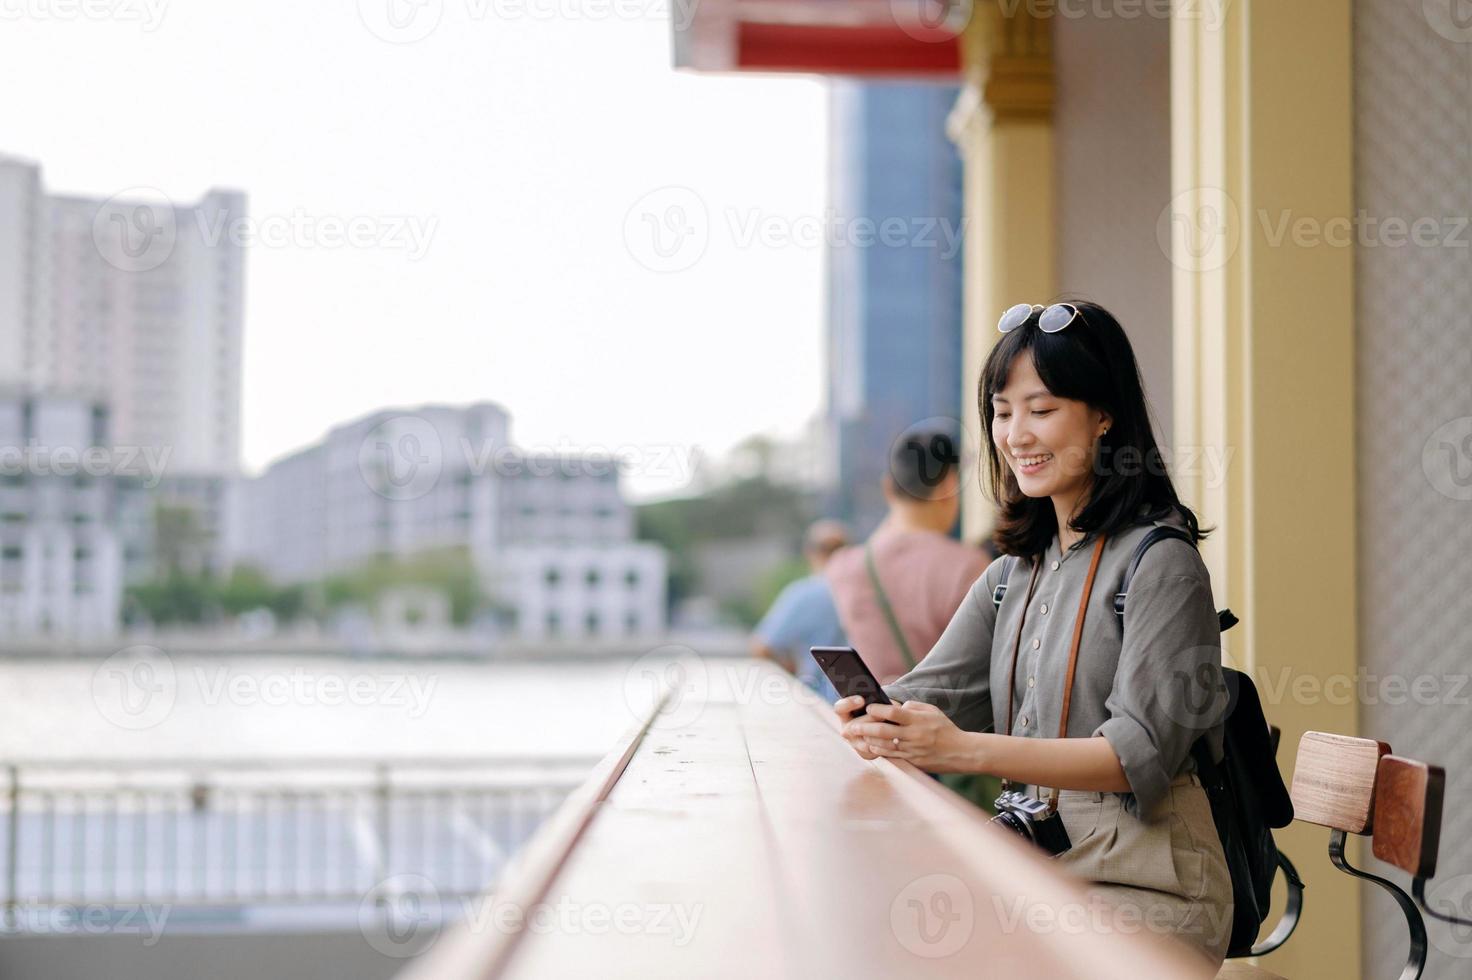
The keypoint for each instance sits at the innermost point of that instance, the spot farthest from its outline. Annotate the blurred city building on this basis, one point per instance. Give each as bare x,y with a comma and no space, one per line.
549,535
134,303
894,302
75,518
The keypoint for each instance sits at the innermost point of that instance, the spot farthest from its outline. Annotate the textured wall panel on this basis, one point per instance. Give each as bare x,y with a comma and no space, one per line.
1413,146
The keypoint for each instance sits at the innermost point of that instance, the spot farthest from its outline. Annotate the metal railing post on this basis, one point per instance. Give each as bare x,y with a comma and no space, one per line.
12,852
381,792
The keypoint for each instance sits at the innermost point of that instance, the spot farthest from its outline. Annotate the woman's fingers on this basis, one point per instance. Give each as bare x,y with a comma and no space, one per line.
845,707
887,748
873,729
861,747
883,712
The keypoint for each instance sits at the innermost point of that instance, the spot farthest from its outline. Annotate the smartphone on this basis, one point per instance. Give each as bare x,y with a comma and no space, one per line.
850,675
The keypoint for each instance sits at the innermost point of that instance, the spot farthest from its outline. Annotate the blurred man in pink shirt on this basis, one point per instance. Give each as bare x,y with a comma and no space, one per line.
921,572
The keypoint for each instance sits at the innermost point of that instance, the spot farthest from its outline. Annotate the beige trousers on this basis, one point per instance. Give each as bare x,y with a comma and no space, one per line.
1167,876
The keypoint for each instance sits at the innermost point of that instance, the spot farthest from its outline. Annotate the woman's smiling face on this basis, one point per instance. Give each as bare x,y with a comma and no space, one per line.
1047,441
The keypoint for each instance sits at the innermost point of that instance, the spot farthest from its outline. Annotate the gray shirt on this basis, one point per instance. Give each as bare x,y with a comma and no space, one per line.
1151,688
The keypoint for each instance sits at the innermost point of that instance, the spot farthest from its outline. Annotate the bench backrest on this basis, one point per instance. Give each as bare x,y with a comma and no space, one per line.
1334,781
1407,832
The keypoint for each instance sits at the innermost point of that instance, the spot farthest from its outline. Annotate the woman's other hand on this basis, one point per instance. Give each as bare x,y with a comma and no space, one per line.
928,739
845,708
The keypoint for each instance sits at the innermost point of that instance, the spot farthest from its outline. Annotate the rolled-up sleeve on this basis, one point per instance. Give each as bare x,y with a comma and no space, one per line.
955,675
1167,685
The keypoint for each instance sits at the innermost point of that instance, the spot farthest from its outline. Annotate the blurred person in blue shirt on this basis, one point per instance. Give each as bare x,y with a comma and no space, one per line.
804,615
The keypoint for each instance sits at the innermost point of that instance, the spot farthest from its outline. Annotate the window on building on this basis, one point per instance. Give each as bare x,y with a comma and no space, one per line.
554,624
552,577
12,552
631,622
591,623
631,578
592,578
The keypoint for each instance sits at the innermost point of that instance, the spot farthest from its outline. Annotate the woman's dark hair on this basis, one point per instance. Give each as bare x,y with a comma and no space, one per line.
1091,361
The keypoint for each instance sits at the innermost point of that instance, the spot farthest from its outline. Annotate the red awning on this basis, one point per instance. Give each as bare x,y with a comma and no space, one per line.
899,38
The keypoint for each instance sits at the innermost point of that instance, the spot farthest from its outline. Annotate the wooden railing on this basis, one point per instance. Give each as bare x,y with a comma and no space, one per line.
734,833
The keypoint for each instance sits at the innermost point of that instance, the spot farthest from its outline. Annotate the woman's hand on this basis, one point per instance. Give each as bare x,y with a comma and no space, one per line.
845,708
927,738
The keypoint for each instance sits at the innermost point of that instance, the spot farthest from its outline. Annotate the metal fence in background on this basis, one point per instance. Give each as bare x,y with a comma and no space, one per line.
231,833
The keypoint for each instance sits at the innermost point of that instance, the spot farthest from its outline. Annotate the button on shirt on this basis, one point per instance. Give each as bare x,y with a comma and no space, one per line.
1151,688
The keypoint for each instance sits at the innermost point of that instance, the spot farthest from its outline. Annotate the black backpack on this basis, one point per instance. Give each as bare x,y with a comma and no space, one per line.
1248,798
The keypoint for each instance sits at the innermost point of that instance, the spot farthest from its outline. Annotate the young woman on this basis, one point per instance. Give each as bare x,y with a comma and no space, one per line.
1079,479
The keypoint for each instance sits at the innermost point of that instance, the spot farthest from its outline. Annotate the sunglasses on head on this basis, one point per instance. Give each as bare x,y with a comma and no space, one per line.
1054,317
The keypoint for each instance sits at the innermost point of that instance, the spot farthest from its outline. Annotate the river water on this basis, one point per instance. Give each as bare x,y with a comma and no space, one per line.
148,705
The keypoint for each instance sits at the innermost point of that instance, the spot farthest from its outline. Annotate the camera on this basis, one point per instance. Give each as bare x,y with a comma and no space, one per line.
1032,820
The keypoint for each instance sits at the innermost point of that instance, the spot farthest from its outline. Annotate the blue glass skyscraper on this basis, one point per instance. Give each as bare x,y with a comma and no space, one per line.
894,280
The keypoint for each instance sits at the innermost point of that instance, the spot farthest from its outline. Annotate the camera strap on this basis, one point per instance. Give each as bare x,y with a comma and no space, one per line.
1078,633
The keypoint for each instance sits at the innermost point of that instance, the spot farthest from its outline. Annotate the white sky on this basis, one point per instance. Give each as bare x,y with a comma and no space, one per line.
521,133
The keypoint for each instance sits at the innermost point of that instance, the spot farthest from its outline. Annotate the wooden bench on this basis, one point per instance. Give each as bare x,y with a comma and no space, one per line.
1334,780
1407,835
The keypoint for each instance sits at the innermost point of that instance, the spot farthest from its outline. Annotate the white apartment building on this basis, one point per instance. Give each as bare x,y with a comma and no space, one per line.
550,534
132,301
75,518
561,591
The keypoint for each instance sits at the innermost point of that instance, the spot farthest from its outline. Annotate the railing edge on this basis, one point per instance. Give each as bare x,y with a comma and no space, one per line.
464,953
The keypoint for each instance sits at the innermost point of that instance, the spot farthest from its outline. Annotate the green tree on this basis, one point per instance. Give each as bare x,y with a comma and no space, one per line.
179,540
752,506
447,570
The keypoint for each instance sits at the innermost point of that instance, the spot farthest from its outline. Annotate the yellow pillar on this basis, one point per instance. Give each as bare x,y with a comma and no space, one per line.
1264,376
1002,125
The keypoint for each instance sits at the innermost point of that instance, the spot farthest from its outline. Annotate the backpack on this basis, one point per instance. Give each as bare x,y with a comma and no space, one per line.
1246,790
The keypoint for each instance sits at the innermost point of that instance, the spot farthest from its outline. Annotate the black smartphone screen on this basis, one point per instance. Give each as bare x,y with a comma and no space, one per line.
850,675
